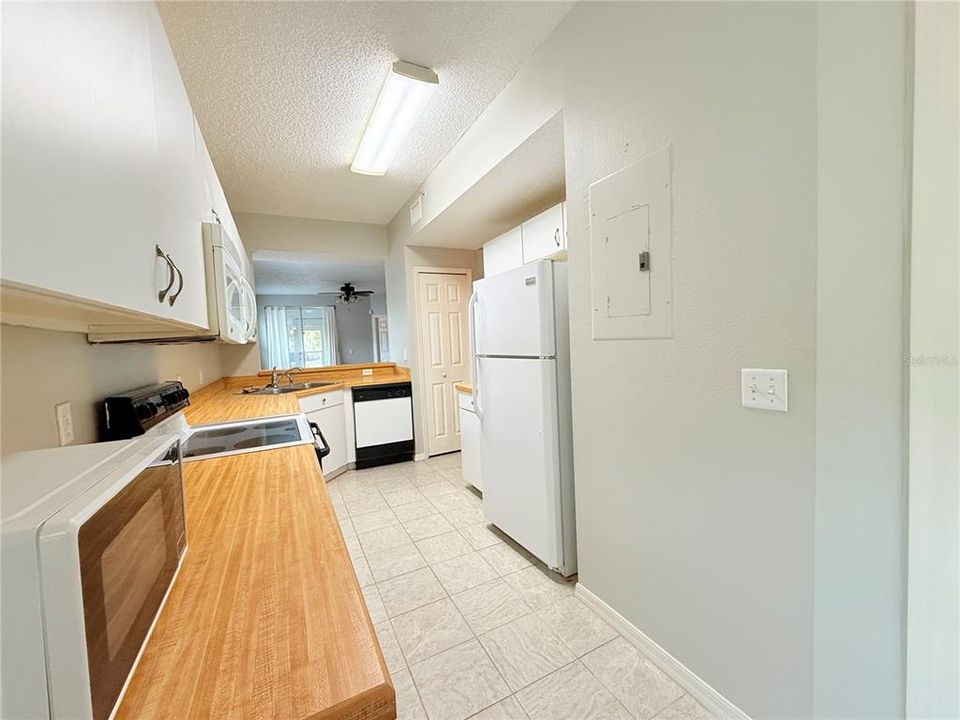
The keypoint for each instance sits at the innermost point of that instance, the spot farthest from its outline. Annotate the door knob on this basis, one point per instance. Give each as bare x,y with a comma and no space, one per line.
444,374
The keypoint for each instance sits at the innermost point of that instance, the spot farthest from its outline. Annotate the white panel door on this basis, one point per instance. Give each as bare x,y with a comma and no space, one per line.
520,456
513,312
444,355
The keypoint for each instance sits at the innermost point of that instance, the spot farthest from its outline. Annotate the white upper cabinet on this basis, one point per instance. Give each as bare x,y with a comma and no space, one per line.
503,253
215,202
545,235
100,168
540,237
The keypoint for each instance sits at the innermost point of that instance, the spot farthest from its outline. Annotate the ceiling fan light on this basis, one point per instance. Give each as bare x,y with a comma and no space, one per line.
403,96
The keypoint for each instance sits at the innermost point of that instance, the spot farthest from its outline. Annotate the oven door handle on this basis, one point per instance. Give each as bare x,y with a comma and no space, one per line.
322,452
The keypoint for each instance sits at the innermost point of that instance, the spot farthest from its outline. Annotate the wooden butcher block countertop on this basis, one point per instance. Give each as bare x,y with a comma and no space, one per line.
224,401
266,619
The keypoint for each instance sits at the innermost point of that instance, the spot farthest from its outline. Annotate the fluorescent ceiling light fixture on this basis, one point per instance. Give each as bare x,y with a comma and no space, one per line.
405,93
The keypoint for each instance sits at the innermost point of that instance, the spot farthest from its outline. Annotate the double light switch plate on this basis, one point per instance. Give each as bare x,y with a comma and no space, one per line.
763,389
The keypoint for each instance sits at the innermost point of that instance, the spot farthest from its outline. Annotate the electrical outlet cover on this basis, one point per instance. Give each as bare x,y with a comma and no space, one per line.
763,389
64,424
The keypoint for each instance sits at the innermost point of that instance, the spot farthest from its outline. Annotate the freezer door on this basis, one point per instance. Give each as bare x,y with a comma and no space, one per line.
513,312
520,458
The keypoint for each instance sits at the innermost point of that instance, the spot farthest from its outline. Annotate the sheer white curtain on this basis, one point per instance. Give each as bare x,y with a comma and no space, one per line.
331,342
319,336
276,340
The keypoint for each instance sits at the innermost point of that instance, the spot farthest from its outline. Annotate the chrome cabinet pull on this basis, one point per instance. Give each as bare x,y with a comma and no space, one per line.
174,296
556,236
161,254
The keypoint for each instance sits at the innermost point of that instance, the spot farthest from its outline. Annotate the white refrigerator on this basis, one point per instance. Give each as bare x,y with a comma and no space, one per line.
521,384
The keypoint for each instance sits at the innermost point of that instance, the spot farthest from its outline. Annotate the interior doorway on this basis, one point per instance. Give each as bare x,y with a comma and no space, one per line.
444,351
381,338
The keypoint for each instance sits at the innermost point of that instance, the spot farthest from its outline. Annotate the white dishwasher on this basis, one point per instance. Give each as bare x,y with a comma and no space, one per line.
383,423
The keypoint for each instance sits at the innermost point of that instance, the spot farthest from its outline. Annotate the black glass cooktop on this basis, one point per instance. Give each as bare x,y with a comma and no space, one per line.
255,435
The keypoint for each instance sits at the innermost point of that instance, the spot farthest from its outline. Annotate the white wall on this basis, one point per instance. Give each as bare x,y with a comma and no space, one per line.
306,235
861,235
401,301
694,515
933,626
40,368
700,521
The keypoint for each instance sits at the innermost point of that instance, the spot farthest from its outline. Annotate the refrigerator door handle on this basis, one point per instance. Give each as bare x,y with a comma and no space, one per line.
472,306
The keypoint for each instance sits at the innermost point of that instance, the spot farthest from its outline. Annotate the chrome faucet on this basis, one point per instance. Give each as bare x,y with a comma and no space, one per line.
276,374
287,373
275,377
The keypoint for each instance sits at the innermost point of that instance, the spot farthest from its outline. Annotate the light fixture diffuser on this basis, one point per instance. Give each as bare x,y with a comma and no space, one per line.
405,93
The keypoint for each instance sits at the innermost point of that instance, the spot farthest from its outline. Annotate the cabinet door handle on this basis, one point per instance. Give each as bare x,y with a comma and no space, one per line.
161,254
174,296
556,236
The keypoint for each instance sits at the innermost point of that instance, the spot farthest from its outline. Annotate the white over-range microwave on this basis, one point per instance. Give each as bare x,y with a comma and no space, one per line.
92,538
232,305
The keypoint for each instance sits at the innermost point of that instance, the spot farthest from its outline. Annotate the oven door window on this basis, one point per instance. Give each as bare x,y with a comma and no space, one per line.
129,552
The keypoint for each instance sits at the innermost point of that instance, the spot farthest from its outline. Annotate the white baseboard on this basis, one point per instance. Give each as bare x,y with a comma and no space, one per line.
328,476
419,457
714,702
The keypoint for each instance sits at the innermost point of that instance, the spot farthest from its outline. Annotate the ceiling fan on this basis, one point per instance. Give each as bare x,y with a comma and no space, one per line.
348,294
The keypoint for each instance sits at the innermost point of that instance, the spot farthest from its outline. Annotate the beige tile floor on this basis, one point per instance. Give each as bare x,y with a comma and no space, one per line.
471,625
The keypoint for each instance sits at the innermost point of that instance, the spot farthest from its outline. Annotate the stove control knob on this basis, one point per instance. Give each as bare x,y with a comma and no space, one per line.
147,410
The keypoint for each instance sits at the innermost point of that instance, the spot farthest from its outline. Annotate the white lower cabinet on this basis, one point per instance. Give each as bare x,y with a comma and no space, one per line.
327,411
469,441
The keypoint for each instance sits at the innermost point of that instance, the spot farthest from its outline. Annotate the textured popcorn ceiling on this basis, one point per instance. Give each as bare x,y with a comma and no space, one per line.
282,91
282,273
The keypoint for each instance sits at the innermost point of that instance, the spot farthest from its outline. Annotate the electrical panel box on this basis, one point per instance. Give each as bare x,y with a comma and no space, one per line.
631,263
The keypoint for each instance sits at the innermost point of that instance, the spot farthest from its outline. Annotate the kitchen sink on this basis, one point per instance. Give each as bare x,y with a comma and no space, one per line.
284,389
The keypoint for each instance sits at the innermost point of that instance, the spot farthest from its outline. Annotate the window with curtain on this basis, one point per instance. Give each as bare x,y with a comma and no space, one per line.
296,335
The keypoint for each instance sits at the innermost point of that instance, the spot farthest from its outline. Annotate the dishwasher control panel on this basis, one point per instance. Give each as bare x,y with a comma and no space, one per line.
382,392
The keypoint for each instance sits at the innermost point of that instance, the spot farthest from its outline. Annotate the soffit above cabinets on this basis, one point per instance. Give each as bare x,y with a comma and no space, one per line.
282,91
529,180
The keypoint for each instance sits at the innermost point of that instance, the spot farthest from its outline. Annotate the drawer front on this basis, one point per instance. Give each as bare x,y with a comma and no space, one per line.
311,403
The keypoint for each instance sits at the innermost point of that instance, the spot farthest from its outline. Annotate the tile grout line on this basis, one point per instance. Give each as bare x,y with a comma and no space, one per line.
449,596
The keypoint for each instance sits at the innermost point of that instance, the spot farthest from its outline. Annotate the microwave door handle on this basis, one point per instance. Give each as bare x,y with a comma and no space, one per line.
250,312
